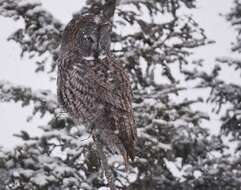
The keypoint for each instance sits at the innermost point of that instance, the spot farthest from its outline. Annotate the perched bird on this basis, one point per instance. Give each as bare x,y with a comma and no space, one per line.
92,87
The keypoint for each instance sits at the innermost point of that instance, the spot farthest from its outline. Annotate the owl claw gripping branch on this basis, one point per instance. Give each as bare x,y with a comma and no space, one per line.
92,87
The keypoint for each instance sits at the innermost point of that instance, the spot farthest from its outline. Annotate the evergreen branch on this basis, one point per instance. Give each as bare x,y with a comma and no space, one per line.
44,101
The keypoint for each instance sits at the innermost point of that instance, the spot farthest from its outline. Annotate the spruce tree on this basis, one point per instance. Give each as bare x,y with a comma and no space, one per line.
153,40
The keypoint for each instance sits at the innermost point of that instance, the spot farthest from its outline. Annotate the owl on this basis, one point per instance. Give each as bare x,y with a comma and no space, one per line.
92,87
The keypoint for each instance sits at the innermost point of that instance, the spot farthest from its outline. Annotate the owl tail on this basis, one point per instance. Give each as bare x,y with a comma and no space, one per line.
125,157
124,154
127,151
128,140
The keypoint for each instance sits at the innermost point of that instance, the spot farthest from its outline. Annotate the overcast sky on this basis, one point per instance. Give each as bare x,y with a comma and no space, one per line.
21,71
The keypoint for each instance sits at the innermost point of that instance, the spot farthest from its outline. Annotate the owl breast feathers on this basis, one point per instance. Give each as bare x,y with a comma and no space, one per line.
92,87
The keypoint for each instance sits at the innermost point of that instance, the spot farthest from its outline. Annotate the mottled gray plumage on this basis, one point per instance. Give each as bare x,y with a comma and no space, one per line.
92,87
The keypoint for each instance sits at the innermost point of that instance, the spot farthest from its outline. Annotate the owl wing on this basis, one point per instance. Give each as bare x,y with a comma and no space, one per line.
75,92
87,89
114,90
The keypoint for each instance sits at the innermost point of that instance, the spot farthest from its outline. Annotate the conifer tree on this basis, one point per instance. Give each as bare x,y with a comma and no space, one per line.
154,47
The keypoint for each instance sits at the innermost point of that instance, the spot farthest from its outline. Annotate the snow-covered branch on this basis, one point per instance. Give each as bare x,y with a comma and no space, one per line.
43,100
41,32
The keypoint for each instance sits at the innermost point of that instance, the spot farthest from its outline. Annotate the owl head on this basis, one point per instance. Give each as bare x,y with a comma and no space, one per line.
88,34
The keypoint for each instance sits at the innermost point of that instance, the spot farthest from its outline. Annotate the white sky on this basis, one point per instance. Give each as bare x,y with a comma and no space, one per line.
21,71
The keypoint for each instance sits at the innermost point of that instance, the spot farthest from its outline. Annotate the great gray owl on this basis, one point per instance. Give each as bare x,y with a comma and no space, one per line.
92,87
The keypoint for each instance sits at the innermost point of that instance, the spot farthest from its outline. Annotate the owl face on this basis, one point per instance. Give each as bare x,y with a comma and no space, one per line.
89,34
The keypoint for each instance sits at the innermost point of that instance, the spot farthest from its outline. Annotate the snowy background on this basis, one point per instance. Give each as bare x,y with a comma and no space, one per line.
21,71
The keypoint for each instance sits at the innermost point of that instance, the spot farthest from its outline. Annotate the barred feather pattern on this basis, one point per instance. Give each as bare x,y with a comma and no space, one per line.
96,90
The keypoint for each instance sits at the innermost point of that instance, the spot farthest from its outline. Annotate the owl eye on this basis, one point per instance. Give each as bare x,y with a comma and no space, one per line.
89,38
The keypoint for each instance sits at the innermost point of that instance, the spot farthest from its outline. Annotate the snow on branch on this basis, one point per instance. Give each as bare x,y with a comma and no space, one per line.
44,101
188,3
41,32
234,17
236,63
